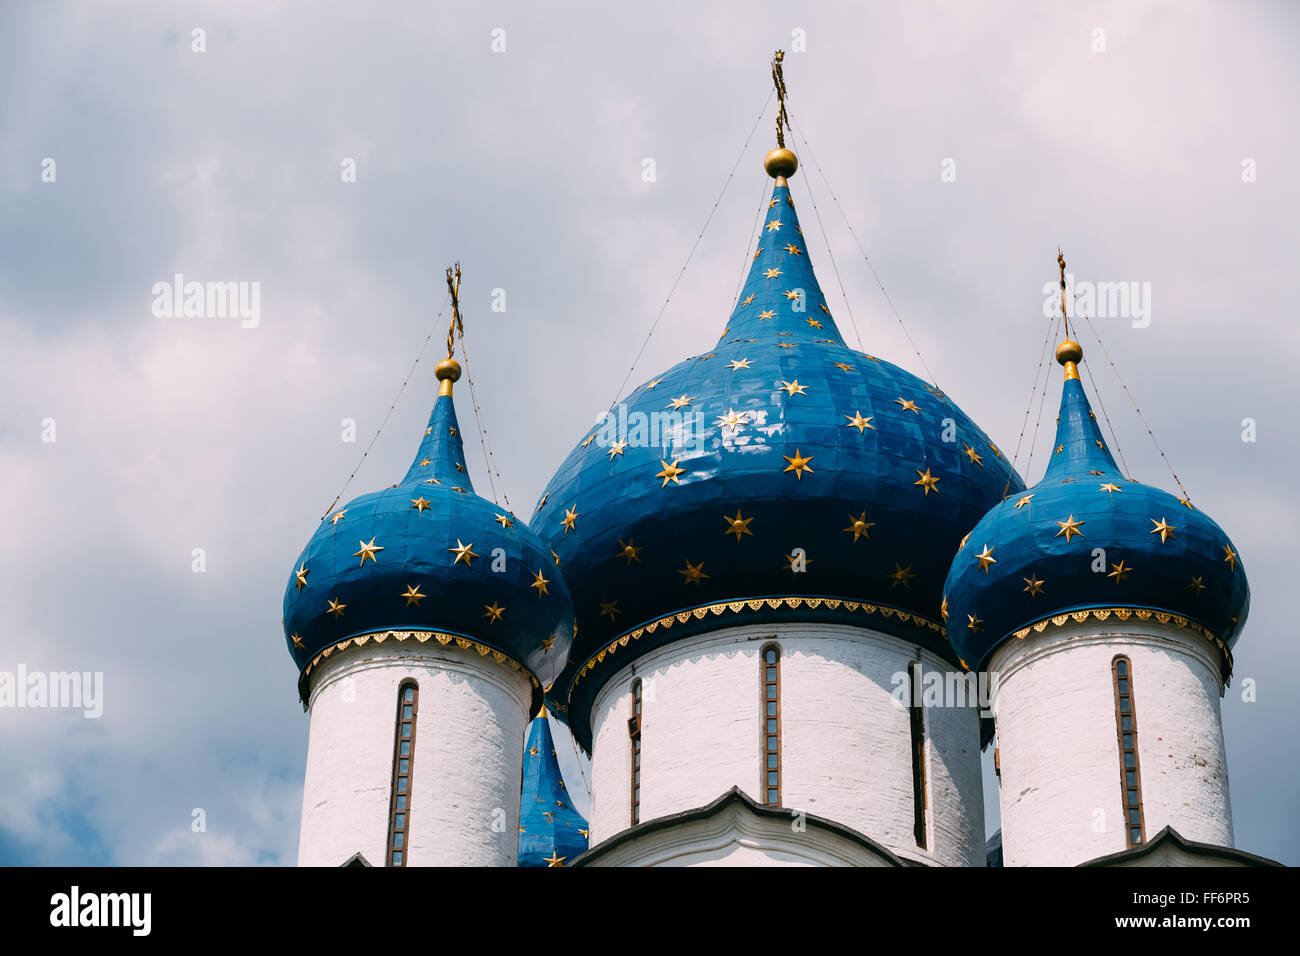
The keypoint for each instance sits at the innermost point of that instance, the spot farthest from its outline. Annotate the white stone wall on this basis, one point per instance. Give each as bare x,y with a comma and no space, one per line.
845,748
1055,704
467,766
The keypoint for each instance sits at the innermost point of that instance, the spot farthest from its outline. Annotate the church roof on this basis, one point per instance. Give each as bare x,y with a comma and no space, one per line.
1034,558
799,479
429,557
551,832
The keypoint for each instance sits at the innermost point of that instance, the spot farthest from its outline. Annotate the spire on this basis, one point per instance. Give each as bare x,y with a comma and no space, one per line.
781,296
1079,449
442,453
551,832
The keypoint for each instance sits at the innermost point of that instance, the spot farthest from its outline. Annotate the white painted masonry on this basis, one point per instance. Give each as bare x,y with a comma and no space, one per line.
1055,705
845,747
465,780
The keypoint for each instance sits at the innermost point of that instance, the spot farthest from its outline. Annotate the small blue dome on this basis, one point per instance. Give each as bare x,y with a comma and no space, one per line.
429,555
788,450
1032,559
551,832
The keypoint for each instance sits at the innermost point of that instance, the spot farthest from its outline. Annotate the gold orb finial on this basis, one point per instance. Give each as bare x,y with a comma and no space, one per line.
1070,353
447,371
780,163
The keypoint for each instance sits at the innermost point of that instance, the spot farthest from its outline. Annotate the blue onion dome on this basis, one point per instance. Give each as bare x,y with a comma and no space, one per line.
1031,561
429,559
782,475
551,832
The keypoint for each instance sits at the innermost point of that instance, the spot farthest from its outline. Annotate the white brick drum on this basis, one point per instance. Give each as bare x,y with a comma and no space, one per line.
468,764
1055,705
845,741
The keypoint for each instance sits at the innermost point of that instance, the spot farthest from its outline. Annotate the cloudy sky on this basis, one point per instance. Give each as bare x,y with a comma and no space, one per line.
1154,142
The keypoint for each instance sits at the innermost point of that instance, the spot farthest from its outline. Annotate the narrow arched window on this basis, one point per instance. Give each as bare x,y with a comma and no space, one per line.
771,704
916,720
399,806
1130,770
634,732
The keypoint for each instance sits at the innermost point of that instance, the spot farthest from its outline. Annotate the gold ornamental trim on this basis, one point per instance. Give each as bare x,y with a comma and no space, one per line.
742,607
1124,613
360,640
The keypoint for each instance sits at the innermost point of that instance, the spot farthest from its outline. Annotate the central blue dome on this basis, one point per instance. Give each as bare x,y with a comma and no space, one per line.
782,475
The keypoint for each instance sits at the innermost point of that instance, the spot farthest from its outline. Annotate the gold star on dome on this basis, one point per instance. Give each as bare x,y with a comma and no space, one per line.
556,557
367,551
792,294
300,577
540,583
681,402
814,323
571,516
493,612
908,405
1068,481
758,252
943,609
738,364
651,385
792,249
616,449
1101,445
413,595
1187,502
772,203
549,642
504,520
693,574
900,575
1110,488
774,225
985,558
750,298
1197,585
789,563
1094,471
670,472
737,525
541,503
337,516
425,462
429,430
771,273
419,504
589,439
1230,556
845,366
975,457
1069,528
627,549
1059,449
1163,528
964,538
610,609
798,464
765,315
974,624
336,608
432,481
860,526
928,481
297,641
463,552
555,860
1119,572
733,419
861,424
1034,586
793,388
1023,501
786,345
